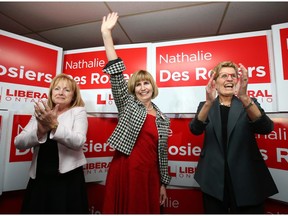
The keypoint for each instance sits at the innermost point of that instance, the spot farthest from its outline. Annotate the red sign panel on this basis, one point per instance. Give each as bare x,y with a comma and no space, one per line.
182,144
19,122
274,147
284,50
86,67
26,63
190,64
99,131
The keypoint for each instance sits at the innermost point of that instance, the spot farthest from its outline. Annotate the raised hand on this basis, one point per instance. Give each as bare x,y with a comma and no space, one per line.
242,84
109,21
108,24
211,89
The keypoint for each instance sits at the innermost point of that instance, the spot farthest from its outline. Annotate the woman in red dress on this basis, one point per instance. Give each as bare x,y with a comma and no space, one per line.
138,174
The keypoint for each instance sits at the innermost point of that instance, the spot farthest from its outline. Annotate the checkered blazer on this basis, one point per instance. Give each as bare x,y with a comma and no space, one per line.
132,114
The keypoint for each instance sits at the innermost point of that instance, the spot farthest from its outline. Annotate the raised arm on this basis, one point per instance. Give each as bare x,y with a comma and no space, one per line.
210,97
108,24
251,109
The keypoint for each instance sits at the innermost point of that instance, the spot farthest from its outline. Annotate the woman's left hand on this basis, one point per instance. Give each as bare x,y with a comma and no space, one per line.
45,116
242,84
163,194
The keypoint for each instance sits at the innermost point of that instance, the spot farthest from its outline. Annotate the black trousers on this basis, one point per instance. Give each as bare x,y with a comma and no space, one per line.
214,206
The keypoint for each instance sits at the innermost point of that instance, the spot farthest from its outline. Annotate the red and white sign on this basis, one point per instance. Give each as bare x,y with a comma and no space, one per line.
86,65
183,151
26,69
183,68
97,151
4,144
280,46
2,153
274,150
181,71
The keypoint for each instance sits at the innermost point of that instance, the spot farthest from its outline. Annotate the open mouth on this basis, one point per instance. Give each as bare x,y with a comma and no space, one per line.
229,86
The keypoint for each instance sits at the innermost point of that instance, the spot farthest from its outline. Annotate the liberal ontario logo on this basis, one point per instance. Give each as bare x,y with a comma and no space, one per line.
21,95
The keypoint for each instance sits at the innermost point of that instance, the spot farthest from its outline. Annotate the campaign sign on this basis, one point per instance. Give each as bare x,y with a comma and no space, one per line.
85,66
274,150
97,151
17,162
280,46
2,150
183,68
184,150
27,68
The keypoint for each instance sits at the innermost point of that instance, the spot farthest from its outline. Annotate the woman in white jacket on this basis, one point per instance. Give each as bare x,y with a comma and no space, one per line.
56,132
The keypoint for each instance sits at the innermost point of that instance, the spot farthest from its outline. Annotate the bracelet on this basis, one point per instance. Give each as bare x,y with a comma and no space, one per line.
249,105
55,127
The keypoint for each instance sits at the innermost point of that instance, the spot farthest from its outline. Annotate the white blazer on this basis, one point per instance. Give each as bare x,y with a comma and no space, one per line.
70,135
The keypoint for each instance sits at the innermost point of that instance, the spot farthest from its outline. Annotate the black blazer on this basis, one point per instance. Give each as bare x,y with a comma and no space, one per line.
251,179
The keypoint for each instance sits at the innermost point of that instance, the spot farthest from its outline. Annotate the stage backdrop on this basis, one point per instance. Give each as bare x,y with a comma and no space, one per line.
183,152
183,67
181,70
86,65
280,46
4,143
4,115
26,69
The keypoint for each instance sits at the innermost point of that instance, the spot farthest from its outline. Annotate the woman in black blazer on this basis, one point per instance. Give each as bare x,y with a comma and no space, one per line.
231,171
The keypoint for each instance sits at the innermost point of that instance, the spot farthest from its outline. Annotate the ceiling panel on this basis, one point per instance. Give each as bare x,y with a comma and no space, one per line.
39,38
253,16
39,16
10,25
76,24
183,23
143,7
83,36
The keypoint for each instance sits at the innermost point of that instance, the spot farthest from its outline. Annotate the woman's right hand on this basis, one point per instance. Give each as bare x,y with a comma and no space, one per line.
46,117
108,22
211,89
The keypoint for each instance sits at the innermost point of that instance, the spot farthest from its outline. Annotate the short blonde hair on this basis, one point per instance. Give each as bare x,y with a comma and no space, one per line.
223,64
76,100
140,76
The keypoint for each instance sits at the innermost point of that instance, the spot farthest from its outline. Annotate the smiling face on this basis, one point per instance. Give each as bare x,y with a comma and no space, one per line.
142,85
226,78
143,91
62,94
226,81
64,91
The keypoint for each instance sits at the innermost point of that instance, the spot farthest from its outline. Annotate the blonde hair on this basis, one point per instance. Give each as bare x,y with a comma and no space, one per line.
221,65
76,100
140,76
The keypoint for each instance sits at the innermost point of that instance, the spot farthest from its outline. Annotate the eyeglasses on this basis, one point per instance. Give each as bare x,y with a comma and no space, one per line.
225,76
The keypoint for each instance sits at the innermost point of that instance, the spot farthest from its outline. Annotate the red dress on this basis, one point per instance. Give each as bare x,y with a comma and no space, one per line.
133,182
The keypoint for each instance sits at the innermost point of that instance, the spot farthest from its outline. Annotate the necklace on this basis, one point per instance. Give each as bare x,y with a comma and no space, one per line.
149,109
226,105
